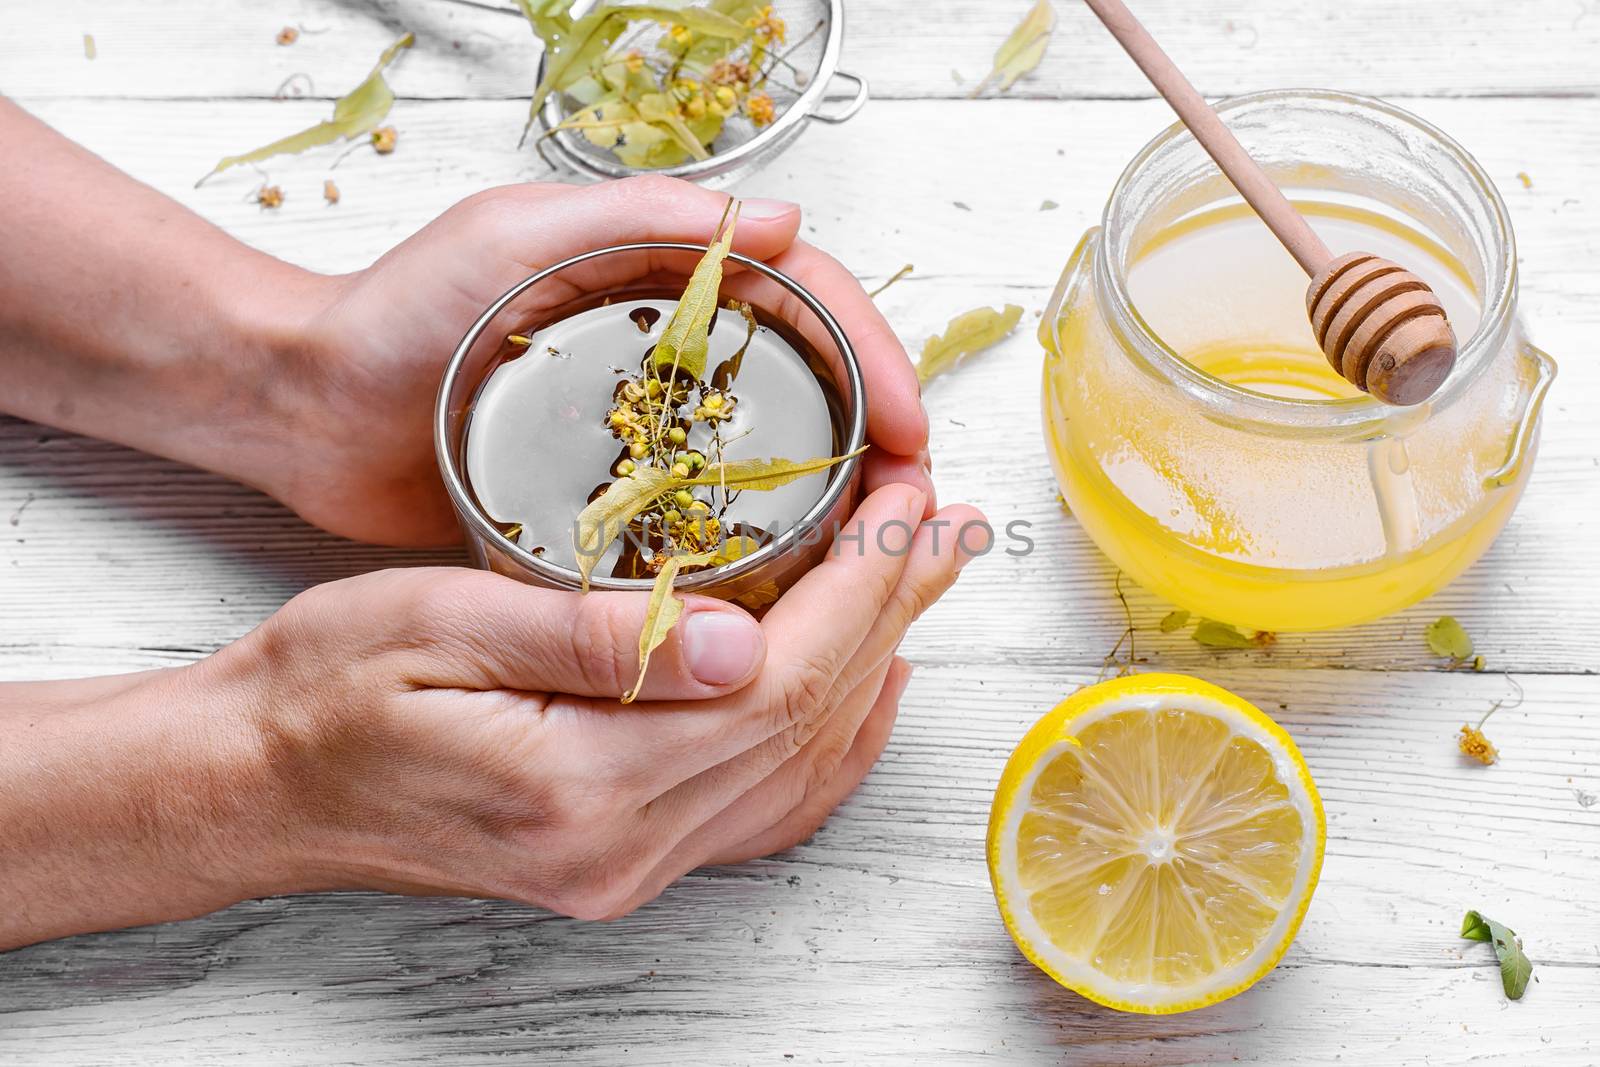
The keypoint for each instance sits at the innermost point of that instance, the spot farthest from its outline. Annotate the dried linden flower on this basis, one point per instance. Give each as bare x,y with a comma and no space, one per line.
288,35
330,191
768,26
384,139
1472,743
269,196
760,109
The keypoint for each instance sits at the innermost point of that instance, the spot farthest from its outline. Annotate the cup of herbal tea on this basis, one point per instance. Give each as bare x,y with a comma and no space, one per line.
653,414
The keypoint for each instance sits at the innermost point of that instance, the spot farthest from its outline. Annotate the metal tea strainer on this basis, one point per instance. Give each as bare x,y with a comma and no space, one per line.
799,91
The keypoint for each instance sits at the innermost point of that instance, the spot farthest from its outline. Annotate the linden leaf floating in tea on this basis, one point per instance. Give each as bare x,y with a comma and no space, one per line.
764,473
604,519
966,334
1023,50
1174,621
728,369
687,337
1215,634
1446,637
354,114
669,527
1515,967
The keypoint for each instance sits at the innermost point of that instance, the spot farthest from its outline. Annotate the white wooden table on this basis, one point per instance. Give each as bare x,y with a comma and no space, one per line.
878,941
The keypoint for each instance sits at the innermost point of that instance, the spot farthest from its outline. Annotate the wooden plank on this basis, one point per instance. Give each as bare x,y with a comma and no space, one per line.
906,48
177,559
879,939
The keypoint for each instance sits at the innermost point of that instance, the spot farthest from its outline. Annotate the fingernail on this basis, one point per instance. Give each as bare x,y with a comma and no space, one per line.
721,647
915,501
926,459
905,678
767,209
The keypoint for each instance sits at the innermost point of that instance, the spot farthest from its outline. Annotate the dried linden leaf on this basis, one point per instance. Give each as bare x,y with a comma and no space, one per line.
1220,635
966,334
661,111
1174,621
1023,50
665,610
686,340
896,276
660,617
1515,967
1445,637
354,114
604,519
572,47
761,473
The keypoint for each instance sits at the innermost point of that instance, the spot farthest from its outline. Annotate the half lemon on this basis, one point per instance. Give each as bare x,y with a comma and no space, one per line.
1154,843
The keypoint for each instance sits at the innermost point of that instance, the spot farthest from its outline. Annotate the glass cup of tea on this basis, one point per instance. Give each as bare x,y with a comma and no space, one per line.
523,442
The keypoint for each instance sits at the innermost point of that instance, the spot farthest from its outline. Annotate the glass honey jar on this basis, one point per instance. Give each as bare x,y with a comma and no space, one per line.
1197,431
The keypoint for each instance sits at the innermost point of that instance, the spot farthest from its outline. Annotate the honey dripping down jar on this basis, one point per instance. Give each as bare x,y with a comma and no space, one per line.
1199,434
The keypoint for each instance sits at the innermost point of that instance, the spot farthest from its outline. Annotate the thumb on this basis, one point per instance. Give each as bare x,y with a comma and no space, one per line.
587,644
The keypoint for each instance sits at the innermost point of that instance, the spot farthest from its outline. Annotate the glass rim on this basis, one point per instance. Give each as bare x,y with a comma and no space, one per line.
853,388
1252,406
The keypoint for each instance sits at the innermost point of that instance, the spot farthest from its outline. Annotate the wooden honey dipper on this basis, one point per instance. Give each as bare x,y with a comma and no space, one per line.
1380,326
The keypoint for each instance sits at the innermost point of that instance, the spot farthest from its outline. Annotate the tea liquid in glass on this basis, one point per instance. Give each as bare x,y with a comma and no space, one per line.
538,448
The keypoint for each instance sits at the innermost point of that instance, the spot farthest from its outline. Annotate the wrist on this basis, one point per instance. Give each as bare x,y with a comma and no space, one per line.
129,801
253,390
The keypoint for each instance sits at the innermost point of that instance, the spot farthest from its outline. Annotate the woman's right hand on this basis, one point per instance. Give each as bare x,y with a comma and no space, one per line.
446,731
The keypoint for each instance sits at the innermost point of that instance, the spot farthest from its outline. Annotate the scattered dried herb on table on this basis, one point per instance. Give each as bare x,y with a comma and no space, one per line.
354,114
1174,621
1446,637
1215,634
1515,967
1021,52
971,332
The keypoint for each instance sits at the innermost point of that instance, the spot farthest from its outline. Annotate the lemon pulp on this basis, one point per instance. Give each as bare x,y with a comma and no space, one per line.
1154,843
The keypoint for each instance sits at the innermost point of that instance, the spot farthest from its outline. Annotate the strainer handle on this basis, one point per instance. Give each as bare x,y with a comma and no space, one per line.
856,102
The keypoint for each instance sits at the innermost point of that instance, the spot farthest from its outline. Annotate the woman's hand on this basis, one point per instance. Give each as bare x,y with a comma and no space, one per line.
362,463
452,731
